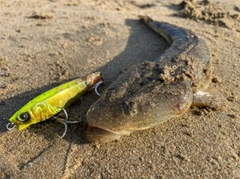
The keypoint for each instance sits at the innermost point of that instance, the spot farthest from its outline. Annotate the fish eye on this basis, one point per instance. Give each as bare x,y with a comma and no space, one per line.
23,117
132,108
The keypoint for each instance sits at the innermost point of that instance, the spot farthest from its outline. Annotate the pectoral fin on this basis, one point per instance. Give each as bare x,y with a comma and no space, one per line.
209,97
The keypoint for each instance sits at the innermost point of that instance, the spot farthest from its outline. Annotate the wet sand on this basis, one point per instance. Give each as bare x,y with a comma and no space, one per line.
46,43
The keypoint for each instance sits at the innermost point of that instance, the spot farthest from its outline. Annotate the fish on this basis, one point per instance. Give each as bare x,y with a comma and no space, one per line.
51,102
155,91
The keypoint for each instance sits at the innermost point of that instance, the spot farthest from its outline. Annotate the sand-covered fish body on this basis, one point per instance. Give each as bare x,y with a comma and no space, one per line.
52,101
155,91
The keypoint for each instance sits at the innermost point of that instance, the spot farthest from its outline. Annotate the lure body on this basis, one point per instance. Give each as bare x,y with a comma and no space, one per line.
51,102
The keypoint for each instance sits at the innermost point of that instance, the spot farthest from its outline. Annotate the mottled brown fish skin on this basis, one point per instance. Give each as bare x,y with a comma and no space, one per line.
155,91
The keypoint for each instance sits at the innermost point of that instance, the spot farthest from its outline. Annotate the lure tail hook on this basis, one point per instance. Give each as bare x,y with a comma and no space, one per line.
96,86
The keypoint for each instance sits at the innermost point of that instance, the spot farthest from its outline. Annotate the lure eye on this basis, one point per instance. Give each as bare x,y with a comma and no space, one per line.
23,117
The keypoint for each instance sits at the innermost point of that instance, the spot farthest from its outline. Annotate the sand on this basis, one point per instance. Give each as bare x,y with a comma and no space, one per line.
46,43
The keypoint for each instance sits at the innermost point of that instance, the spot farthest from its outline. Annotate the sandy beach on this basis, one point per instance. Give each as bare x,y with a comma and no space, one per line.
46,43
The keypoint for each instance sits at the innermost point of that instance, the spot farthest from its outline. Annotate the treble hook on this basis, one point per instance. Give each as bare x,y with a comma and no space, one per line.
96,86
64,121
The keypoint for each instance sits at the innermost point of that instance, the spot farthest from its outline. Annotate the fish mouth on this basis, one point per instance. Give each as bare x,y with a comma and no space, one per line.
99,136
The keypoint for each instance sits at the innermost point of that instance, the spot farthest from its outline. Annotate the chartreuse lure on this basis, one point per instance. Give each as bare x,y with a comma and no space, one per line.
52,102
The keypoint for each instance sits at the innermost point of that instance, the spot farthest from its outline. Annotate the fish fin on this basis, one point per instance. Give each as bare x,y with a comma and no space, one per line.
209,97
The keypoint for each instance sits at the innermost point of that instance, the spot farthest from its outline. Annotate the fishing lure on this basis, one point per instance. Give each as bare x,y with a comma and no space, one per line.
52,102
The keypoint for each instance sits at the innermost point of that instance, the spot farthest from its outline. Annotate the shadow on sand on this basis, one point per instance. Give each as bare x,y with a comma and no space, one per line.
143,44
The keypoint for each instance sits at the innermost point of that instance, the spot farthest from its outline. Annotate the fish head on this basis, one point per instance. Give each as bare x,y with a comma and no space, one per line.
137,100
